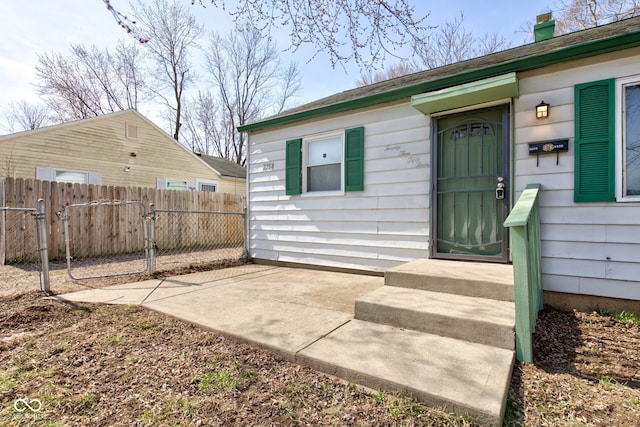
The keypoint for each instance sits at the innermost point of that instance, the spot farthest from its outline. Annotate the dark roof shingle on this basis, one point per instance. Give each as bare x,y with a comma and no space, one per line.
225,167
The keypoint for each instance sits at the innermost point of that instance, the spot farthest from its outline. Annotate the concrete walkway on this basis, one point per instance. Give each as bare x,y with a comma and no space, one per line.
307,316
283,309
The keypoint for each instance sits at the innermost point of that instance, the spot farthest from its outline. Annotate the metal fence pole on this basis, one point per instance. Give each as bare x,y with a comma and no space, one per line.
43,247
151,241
245,217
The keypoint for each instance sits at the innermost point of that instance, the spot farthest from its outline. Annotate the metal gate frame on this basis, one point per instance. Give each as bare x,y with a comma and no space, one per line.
148,226
67,240
40,216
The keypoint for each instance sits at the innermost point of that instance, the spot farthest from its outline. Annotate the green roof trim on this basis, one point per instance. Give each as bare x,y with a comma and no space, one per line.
478,92
582,44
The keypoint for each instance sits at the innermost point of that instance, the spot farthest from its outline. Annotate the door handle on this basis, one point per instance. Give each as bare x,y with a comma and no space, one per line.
500,188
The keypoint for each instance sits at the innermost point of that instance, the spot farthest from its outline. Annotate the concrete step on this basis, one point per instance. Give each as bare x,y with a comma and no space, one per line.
474,279
477,320
462,377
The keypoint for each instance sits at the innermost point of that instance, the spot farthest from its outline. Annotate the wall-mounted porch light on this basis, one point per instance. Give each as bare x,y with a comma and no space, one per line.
542,110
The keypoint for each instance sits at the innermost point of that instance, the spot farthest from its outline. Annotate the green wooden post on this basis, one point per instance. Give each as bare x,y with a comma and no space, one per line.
524,300
524,221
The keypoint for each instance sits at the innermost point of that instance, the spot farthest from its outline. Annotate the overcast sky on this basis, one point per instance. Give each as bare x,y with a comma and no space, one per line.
31,27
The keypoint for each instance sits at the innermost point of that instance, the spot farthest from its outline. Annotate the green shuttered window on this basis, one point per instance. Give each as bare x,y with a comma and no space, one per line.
353,163
595,141
354,159
293,166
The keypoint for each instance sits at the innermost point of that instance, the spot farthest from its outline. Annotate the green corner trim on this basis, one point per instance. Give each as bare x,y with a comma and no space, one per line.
583,50
477,92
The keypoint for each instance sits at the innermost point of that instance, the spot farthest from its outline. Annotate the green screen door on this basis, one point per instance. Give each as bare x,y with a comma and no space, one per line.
471,185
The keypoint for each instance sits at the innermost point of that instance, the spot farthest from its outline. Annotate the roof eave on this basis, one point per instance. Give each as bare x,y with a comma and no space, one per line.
578,51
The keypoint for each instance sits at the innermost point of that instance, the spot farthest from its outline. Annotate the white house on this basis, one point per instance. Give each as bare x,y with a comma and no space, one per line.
430,164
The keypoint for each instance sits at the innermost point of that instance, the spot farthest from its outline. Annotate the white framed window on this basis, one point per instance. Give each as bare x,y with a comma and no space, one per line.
323,163
68,175
628,139
206,185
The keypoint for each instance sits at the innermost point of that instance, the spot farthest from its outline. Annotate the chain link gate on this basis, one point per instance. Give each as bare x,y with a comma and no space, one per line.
23,239
202,239
103,234
113,238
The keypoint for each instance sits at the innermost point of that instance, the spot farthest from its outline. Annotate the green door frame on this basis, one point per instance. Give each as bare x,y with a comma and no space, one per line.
503,257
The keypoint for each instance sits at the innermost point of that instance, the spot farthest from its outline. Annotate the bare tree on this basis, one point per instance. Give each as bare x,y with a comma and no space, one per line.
90,82
397,70
172,32
578,15
363,31
448,44
249,83
201,126
23,115
453,43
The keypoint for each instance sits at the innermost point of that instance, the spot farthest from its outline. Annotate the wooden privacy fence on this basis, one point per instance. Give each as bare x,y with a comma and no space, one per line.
103,231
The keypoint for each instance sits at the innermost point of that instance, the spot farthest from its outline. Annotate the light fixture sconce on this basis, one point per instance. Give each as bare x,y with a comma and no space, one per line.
542,110
126,168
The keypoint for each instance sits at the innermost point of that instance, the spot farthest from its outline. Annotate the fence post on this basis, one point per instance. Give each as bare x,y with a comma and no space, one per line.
151,242
245,217
41,219
3,232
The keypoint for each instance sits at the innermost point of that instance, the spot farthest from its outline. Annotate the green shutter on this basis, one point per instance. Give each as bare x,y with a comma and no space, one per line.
354,159
595,141
293,166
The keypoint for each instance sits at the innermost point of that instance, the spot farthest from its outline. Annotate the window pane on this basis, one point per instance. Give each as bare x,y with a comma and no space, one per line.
68,176
632,139
176,185
325,151
323,178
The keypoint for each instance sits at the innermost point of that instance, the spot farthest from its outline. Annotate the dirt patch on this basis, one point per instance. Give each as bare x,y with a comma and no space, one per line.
124,365
586,372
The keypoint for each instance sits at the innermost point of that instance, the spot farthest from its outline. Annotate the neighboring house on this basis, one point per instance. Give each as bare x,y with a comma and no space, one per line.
430,164
120,149
230,171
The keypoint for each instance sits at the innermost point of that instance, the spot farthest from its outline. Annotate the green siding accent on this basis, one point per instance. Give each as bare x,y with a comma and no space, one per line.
530,62
354,159
486,90
293,166
524,223
595,141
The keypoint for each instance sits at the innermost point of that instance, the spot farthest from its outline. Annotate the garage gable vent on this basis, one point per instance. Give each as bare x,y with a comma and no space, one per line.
131,131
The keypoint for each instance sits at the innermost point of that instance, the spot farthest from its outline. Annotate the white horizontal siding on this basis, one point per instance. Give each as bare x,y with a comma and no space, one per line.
375,229
587,248
625,271
578,284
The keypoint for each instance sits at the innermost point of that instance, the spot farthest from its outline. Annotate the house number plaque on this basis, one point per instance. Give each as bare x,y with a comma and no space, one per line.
549,146
546,147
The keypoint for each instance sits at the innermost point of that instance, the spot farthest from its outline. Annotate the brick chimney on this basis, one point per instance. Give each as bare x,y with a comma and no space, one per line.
544,28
